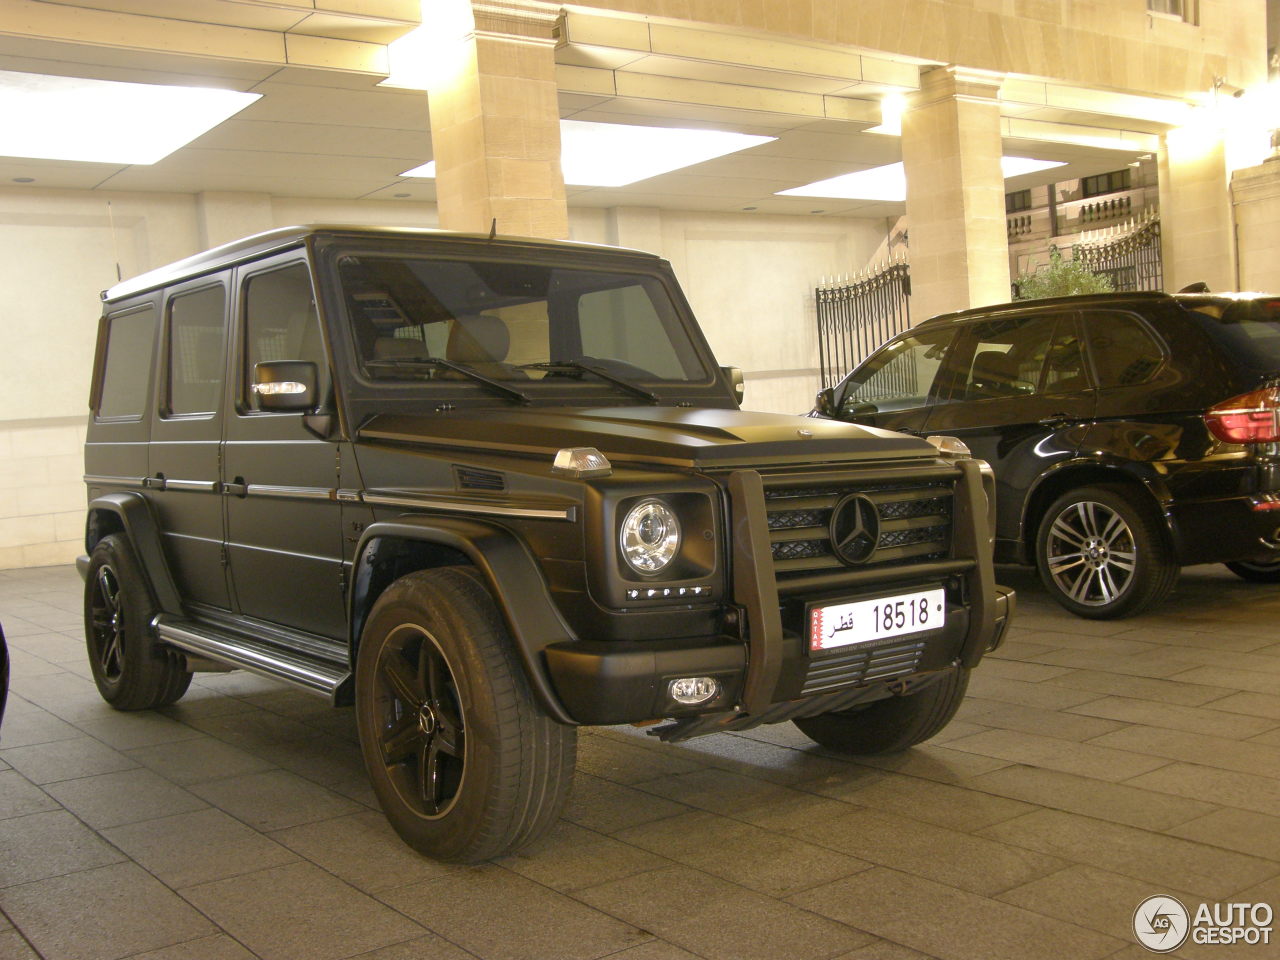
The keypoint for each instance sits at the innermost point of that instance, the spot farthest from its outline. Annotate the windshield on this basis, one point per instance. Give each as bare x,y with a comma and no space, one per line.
1248,329
514,321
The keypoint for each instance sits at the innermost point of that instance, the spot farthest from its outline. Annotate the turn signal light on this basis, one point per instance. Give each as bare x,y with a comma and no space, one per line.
1249,418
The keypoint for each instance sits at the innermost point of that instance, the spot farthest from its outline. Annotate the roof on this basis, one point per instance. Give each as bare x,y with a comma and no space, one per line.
284,238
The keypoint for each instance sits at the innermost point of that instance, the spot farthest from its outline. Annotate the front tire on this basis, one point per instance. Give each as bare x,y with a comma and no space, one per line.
464,762
1101,553
892,724
132,669
1262,572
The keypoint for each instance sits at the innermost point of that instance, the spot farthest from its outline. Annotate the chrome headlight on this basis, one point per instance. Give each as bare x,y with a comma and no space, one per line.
649,536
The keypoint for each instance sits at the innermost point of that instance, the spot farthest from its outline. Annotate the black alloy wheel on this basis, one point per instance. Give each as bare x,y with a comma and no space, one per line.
1256,571
1101,553
107,610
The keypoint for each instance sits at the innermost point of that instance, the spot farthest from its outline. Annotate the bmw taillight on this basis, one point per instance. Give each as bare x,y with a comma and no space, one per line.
1249,418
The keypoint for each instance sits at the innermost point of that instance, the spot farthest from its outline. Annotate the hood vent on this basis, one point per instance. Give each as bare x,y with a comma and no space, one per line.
469,478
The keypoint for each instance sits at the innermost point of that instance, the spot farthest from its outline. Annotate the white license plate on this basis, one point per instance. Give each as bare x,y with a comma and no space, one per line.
864,621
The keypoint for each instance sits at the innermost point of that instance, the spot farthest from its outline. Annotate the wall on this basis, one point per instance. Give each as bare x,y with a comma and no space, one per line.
1256,191
749,278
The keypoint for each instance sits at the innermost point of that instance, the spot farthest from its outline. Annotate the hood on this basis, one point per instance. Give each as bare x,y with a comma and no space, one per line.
699,437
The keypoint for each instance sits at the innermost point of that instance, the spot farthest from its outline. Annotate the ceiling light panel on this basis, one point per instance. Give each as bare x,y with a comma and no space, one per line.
106,121
889,182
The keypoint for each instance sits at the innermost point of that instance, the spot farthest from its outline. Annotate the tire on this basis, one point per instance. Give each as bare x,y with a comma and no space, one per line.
132,669
890,725
1256,572
464,762
1102,554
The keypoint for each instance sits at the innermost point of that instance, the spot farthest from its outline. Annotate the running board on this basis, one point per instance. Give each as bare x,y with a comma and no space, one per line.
267,660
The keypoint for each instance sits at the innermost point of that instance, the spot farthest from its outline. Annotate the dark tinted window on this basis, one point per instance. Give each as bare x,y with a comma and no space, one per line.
127,365
1104,183
1249,330
898,377
196,325
1017,201
1005,357
1124,352
281,324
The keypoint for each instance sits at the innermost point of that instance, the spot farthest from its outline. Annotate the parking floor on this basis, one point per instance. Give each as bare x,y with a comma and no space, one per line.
1093,765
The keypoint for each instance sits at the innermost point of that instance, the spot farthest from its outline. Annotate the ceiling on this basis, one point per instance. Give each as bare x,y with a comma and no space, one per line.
324,128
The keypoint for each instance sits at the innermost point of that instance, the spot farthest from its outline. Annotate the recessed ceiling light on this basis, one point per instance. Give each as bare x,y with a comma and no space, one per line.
617,154
889,182
400,196
106,121
24,179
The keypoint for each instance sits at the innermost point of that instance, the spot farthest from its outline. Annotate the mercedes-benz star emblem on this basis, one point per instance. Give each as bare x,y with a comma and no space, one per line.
855,528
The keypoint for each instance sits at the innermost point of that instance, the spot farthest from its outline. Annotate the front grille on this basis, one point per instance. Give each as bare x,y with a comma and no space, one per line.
914,520
861,666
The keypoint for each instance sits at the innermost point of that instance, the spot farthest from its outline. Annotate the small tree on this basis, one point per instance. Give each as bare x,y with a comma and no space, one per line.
1061,278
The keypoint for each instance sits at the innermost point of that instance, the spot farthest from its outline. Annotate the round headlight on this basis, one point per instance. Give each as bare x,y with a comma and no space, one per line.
650,536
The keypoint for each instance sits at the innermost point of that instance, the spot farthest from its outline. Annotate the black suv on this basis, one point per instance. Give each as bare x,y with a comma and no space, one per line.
490,489
1130,434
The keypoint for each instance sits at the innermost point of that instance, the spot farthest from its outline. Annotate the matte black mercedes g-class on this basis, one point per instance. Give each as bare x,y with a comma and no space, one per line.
490,489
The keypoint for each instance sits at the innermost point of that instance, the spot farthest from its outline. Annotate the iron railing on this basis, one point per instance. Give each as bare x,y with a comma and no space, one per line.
855,316
1129,254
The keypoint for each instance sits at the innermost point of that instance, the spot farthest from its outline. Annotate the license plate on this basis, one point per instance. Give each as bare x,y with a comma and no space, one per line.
864,621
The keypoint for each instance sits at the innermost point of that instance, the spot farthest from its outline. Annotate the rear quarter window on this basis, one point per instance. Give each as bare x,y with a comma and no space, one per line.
126,364
1123,351
1247,330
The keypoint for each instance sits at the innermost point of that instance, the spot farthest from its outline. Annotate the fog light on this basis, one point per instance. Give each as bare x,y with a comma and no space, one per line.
694,690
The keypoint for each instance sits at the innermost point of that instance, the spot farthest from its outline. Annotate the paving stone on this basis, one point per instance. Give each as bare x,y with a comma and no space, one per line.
1241,830
1181,691
1196,748
119,910
1141,854
252,729
1044,722
744,854
1046,696
1227,787
19,796
1213,722
1086,759
622,762
1017,670
14,946
1116,802
936,762
705,916
142,728
533,922
571,857
605,807
942,804
961,925
112,799
43,763
192,848
313,914
429,947
189,762
761,802
217,947
274,799
885,950
42,845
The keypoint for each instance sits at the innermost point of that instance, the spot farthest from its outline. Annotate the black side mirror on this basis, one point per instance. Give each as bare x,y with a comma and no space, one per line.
736,382
285,385
825,402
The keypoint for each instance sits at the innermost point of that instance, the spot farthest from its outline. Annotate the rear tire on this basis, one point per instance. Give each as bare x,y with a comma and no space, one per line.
890,725
132,669
464,762
1102,554
1256,572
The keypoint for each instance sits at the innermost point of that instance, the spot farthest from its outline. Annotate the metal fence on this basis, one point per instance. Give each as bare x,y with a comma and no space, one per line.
856,316
1130,257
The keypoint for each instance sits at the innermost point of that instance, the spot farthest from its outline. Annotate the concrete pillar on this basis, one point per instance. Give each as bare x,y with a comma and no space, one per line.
1196,228
1257,209
495,121
955,192
226,216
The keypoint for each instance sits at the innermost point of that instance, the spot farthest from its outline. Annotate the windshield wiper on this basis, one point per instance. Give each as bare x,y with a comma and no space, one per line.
603,374
497,386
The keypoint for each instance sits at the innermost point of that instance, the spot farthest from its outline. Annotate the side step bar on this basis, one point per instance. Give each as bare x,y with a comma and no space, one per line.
310,673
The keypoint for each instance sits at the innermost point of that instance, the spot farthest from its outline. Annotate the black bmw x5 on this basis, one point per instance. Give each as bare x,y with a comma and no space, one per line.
1131,434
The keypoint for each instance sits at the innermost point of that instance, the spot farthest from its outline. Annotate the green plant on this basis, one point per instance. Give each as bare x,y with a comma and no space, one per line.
1061,278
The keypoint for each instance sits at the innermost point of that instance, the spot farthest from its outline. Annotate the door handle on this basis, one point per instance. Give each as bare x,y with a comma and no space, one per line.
1056,420
236,488
154,483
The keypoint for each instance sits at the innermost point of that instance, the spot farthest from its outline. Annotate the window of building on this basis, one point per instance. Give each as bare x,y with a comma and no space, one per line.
196,325
127,365
1179,9
1112,182
1017,201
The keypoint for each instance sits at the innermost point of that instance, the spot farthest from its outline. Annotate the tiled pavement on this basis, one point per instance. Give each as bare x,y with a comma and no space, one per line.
1094,764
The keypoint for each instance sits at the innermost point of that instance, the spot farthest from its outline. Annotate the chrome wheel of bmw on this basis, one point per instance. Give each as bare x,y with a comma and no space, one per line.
1090,554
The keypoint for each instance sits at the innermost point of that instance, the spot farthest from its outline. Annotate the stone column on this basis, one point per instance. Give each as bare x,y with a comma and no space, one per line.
1196,229
1257,208
955,192
495,121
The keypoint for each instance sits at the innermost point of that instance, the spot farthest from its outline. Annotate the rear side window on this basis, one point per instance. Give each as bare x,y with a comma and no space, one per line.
196,329
126,368
1249,330
1123,351
900,376
1006,357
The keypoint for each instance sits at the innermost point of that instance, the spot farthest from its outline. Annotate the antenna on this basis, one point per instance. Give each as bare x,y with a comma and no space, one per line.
115,246
493,228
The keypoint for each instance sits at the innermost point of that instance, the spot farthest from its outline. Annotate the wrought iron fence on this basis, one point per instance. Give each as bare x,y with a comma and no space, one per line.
1129,255
857,315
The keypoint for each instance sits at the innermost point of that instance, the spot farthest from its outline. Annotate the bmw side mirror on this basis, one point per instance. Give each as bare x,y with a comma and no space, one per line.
285,385
736,382
825,402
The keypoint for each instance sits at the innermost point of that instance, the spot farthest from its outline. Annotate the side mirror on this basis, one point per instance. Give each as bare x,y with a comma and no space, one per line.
825,402
734,374
285,385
